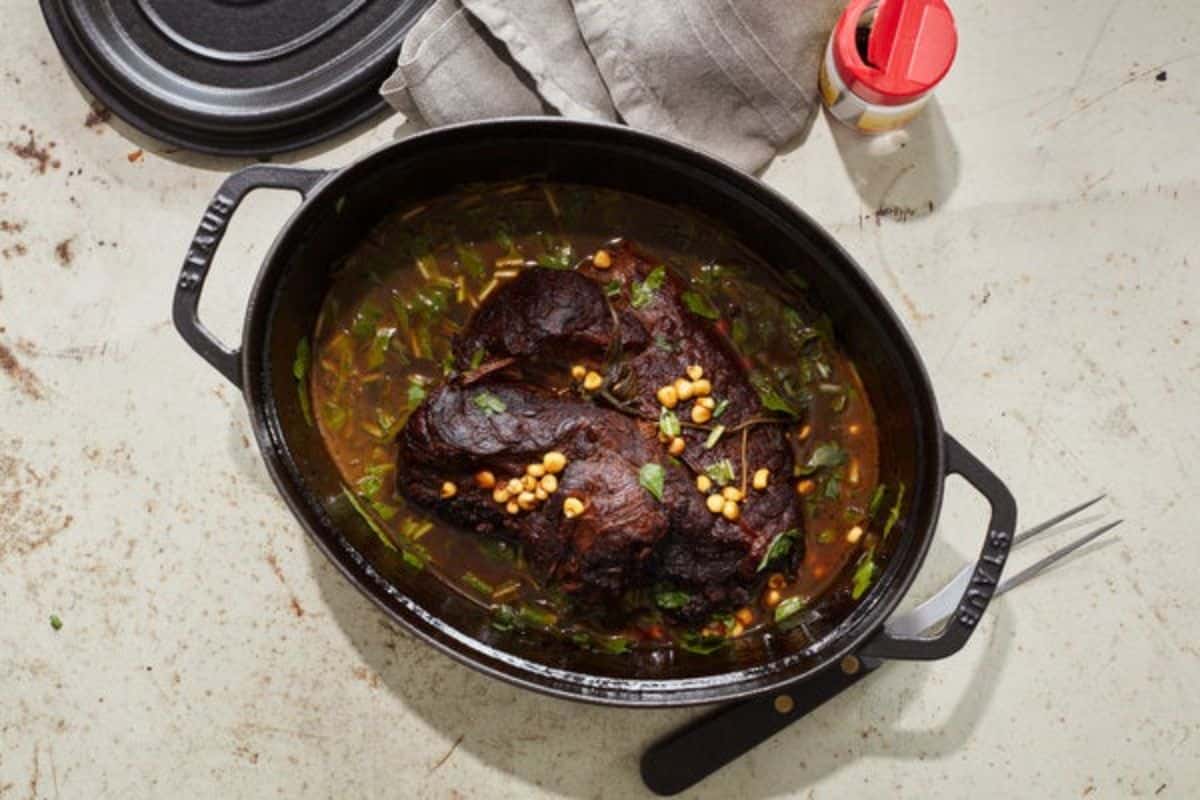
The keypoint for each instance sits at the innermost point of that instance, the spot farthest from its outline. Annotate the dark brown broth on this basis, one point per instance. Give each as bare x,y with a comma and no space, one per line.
383,339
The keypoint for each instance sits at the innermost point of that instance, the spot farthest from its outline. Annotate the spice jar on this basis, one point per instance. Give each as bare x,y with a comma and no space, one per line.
884,60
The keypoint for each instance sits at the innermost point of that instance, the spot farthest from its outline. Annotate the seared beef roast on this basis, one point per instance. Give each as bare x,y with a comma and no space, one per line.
640,336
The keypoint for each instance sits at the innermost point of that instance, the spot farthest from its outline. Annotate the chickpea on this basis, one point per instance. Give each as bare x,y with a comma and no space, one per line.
853,472
528,483
555,462
593,381
737,630
536,470
854,534
512,507
695,372
484,479
744,615
776,581
501,495
707,402
772,598
602,259
449,490
548,484
854,429
806,487
732,493
572,507
761,476
715,503
677,446
667,397
684,389
527,500
540,493
731,511
804,432
514,486
578,372
703,483
700,414
702,388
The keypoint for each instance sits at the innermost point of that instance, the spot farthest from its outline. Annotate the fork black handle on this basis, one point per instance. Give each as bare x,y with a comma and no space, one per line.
691,754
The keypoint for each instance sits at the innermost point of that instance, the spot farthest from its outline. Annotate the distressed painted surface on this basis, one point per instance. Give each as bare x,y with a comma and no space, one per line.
208,650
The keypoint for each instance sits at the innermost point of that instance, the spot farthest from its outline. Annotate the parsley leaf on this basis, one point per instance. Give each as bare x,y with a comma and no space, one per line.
671,599
561,257
700,644
720,409
416,393
830,454
489,403
643,291
612,289
651,478
700,305
780,546
789,607
668,423
721,473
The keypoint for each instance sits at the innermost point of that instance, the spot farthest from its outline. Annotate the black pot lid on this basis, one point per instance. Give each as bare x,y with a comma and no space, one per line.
234,77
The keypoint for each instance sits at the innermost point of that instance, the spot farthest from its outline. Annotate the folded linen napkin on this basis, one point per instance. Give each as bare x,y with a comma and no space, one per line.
737,79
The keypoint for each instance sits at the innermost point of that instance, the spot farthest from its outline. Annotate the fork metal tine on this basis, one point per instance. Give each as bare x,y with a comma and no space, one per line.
1033,569
1026,535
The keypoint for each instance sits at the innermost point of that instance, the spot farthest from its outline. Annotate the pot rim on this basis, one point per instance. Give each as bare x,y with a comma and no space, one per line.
868,617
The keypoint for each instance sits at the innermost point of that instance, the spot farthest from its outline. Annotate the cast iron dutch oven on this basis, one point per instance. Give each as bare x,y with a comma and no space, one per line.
337,210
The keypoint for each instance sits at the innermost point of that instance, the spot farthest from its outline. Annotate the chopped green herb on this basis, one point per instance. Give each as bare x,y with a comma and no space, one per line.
663,343
386,512
377,353
489,403
714,436
838,404
300,369
876,501
339,204
863,575
788,607
671,599
830,454
335,416
700,305
560,257
366,320
826,536
643,291
505,240
701,644
55,622
780,546
503,617
613,645
416,393
371,523
651,478
720,409
472,262
478,584
770,397
477,357
498,550
894,514
668,423
833,485
612,289
721,473
537,617
413,559
370,484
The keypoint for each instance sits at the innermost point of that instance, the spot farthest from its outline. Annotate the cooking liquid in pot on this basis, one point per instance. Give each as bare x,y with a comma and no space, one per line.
382,343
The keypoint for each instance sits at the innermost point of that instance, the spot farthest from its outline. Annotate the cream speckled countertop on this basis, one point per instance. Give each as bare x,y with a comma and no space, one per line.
208,650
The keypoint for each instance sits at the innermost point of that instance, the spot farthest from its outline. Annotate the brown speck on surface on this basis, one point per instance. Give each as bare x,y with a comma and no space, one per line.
273,562
1160,789
135,156
26,381
62,251
1161,78
97,117
14,251
1088,790
8,226
449,753
39,157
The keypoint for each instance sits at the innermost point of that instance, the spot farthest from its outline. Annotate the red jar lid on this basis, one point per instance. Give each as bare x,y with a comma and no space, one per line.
910,49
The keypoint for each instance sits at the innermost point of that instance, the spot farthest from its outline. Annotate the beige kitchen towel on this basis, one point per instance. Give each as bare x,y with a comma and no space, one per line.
738,79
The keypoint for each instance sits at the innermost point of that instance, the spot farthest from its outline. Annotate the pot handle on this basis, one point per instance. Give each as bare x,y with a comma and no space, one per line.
203,248
984,578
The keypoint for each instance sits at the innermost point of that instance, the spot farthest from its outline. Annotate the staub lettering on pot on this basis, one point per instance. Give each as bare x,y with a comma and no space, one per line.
211,229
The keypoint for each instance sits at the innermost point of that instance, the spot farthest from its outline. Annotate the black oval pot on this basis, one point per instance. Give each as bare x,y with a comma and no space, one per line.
337,210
